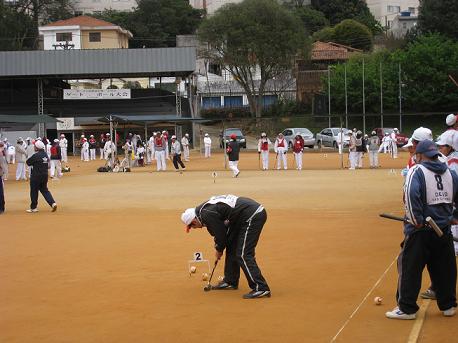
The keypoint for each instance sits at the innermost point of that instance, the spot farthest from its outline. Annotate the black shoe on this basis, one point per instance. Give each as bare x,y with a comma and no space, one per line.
257,294
223,285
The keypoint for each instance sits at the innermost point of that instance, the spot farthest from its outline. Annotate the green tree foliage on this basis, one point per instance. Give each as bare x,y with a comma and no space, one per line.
155,23
425,66
16,29
339,10
439,16
352,33
312,19
253,36
348,32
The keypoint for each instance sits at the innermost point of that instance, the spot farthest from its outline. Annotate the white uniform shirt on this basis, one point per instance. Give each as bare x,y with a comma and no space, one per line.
207,141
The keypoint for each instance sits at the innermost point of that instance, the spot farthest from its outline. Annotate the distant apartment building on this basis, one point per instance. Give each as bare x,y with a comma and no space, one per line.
402,24
385,11
98,6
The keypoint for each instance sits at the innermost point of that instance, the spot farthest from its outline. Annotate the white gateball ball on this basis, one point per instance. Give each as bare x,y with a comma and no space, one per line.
378,300
193,269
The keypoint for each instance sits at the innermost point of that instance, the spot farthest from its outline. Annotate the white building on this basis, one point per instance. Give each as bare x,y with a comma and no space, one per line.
98,6
385,11
402,24
211,5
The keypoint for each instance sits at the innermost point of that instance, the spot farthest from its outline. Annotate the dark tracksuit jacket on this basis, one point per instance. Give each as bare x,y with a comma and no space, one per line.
236,224
431,189
39,178
233,150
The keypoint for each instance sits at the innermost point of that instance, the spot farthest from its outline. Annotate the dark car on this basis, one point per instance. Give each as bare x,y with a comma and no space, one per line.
401,139
227,137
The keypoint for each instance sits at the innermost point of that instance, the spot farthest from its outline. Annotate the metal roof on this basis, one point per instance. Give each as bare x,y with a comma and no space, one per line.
98,63
145,119
27,119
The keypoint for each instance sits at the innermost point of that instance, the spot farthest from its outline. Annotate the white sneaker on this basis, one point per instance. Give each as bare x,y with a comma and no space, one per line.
32,210
450,312
398,314
54,207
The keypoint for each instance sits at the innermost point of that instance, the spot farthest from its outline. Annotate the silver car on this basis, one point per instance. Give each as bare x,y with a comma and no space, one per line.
329,137
307,135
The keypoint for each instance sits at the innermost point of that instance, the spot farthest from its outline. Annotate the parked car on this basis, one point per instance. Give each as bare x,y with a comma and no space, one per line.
329,137
306,134
227,137
401,139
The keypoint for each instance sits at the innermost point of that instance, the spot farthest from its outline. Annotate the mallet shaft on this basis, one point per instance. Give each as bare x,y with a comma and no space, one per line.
434,226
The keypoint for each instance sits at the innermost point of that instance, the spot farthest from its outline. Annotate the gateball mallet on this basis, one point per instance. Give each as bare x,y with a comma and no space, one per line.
208,287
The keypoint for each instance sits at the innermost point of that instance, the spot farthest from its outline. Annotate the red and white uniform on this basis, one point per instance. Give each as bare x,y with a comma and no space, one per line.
298,149
92,145
263,148
394,145
160,147
281,147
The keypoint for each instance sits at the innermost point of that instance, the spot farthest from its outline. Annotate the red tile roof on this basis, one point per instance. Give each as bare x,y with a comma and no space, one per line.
82,20
331,51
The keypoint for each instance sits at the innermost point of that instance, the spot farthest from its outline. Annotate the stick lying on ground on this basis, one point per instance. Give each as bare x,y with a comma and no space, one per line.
429,220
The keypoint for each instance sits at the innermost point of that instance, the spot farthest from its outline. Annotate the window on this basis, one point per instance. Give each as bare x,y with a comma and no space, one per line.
412,10
97,12
95,37
78,13
393,9
404,25
64,37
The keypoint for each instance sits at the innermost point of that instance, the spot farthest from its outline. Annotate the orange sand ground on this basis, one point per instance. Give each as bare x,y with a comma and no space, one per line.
111,264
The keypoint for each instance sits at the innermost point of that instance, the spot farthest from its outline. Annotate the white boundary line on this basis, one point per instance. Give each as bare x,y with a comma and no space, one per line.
364,299
418,325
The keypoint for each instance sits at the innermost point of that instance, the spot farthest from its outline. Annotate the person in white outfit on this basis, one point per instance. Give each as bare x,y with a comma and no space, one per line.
352,151
448,146
92,147
281,148
21,157
55,161
263,149
85,150
30,150
386,143
394,143
109,150
159,149
63,144
11,154
340,140
82,140
360,148
207,145
185,144
150,150
373,146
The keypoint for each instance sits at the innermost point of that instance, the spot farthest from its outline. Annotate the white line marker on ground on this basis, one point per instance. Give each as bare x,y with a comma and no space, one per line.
421,315
364,299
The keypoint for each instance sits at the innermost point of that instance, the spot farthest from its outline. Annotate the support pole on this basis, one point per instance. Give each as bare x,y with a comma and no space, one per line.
364,102
381,95
41,126
346,96
329,96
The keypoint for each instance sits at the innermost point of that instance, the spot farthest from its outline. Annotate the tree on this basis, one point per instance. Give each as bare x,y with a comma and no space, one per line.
425,64
253,36
339,10
439,16
350,32
155,23
324,35
16,29
312,19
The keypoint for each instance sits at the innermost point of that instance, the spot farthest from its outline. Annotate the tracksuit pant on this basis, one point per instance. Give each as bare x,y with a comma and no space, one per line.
208,151
160,160
233,165
56,166
265,159
20,171
177,161
281,157
2,197
39,184
86,155
102,154
92,154
394,149
298,159
186,152
63,151
353,157
373,158
421,248
240,251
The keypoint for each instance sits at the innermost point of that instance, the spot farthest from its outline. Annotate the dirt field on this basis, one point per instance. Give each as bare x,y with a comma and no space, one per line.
111,264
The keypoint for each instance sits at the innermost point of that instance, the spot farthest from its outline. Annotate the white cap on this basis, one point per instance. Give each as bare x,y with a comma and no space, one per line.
107,134
422,134
82,136
395,129
373,133
91,136
263,134
56,141
451,119
186,134
188,216
409,144
39,145
5,139
164,131
174,137
206,135
62,135
28,139
449,138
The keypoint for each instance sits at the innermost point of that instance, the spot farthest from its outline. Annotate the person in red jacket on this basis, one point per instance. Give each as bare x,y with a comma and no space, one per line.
263,150
298,149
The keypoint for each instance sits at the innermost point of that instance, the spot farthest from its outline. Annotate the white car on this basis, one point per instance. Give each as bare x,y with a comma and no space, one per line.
329,137
307,135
